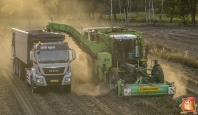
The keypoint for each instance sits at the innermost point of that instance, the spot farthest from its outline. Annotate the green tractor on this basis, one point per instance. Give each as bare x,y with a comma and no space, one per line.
120,59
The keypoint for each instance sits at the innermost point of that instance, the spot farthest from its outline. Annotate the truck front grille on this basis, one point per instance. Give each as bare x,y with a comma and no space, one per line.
54,80
58,70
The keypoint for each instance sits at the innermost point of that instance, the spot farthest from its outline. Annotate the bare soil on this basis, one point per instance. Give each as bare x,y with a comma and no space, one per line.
181,39
89,96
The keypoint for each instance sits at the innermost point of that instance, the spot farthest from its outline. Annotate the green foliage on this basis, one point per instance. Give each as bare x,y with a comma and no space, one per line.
29,9
181,9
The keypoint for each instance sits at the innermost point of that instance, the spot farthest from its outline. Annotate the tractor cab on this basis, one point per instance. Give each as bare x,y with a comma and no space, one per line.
124,48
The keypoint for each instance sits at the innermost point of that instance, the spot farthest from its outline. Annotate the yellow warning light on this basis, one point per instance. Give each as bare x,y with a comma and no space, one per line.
144,60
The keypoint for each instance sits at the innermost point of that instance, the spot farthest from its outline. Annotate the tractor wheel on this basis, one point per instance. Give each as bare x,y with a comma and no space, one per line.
113,78
67,88
158,74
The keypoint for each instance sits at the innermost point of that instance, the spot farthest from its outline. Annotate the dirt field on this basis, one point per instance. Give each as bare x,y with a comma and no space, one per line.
176,38
89,96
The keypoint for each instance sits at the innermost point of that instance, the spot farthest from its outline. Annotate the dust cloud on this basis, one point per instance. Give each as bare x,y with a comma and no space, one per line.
35,14
173,73
84,78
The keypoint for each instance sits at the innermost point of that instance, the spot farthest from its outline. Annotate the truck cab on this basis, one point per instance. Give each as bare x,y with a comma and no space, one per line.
51,64
42,58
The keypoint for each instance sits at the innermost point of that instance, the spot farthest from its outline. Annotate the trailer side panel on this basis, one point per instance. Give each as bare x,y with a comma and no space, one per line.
21,46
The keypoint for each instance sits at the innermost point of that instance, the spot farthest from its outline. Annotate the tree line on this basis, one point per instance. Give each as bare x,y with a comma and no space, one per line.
156,9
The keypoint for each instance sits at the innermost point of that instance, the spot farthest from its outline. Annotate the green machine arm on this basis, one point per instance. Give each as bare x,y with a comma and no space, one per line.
85,44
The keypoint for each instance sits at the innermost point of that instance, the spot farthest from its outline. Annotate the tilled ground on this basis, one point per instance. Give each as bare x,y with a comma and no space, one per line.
175,38
88,96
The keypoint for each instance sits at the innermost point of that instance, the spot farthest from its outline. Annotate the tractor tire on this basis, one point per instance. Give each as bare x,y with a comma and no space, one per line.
67,88
33,89
21,70
158,74
113,78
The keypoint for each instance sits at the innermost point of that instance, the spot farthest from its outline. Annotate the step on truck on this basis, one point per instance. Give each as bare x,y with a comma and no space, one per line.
42,59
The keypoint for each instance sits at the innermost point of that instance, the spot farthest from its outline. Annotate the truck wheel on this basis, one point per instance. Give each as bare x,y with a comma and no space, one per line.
21,69
67,88
14,65
17,66
26,82
33,87
113,78
158,74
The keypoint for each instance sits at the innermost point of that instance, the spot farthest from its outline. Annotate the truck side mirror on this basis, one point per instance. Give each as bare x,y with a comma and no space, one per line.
31,55
73,54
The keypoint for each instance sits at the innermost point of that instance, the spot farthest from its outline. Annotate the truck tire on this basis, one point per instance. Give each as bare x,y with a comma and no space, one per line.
33,86
113,78
25,79
158,74
14,65
17,66
21,69
67,88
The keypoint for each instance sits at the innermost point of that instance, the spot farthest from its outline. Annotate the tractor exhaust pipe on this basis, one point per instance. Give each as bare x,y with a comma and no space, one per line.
136,51
156,62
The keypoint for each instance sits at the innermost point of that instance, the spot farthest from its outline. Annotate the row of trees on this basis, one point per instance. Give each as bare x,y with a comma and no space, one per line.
181,8
151,8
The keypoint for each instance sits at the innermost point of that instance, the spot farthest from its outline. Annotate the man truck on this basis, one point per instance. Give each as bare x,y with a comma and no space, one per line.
42,58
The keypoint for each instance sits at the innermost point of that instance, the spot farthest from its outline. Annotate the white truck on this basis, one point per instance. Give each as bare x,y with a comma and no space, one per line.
42,59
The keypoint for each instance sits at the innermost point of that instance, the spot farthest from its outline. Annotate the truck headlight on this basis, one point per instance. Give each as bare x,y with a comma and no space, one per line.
67,79
39,80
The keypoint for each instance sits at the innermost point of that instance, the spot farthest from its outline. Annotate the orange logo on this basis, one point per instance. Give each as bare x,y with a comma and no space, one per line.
188,105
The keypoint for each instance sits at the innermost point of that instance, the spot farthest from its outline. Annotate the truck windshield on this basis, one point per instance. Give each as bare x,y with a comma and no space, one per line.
54,56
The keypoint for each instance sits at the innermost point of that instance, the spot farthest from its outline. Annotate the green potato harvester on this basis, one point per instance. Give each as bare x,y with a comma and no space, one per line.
120,59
